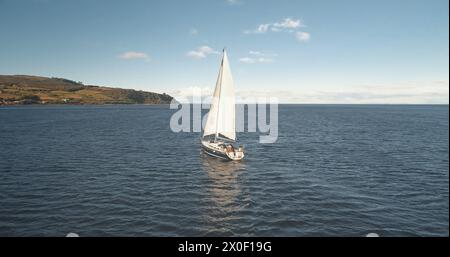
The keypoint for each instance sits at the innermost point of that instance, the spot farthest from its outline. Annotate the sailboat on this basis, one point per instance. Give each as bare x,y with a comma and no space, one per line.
219,133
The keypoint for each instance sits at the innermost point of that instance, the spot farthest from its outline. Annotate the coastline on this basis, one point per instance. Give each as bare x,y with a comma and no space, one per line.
26,90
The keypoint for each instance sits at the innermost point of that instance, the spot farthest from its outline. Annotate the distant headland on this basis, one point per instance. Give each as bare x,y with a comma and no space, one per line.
24,89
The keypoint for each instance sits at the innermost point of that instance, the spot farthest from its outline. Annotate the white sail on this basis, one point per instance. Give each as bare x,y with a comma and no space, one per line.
221,117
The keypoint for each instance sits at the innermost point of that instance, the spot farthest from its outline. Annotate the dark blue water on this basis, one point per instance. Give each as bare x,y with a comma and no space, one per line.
120,170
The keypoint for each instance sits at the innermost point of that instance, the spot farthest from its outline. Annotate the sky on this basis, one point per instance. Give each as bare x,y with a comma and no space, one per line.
312,51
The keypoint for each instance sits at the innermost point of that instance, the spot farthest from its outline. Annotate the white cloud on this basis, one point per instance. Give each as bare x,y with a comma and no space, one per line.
255,52
191,94
432,92
265,60
302,36
259,53
247,60
417,92
131,55
288,25
261,29
201,52
258,57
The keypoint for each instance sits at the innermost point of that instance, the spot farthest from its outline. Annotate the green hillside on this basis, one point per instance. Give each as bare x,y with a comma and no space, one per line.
22,89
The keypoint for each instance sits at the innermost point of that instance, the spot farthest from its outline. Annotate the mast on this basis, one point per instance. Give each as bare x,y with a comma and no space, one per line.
220,93
221,117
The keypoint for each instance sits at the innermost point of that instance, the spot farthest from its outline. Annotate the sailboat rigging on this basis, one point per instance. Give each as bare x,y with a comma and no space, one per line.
220,129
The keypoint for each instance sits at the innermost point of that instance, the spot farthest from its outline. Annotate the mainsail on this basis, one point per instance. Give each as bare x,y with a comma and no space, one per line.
221,117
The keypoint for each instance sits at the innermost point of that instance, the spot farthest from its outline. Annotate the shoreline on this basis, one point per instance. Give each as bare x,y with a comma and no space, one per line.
285,104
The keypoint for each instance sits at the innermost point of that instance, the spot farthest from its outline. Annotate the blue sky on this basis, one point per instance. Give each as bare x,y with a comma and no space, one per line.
349,51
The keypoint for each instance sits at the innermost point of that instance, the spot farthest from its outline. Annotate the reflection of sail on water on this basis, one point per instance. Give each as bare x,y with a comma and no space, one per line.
224,191
223,175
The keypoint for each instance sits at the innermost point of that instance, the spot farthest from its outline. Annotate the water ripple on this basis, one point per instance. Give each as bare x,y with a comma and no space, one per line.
120,171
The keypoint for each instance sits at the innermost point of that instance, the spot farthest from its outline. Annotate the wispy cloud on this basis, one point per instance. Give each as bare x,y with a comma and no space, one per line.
417,92
250,60
131,55
259,53
193,94
255,52
247,60
431,92
302,36
288,25
201,52
258,57
261,29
